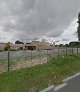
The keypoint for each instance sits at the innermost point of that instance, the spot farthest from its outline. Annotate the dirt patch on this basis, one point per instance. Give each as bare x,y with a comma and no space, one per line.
2,68
30,63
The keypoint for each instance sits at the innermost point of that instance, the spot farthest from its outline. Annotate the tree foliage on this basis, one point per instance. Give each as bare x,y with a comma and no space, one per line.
18,42
74,44
78,29
7,47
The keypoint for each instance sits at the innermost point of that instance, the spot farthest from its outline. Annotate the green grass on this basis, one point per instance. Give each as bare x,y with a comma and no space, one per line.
40,76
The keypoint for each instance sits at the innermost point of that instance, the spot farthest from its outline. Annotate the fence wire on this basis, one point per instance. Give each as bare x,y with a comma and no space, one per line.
27,58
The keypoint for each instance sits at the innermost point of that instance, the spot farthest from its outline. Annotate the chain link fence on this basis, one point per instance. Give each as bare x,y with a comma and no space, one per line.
12,60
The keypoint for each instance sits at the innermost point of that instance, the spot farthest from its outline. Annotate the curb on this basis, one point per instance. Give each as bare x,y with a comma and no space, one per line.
49,89
54,89
60,86
69,78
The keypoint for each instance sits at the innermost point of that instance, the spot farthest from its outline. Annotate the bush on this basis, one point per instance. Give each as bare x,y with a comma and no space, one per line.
7,47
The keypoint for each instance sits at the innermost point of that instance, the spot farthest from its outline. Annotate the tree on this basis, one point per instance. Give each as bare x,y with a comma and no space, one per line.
74,44
61,45
18,42
78,29
66,45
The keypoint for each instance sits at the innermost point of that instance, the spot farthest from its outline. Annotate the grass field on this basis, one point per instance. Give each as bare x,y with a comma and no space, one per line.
40,76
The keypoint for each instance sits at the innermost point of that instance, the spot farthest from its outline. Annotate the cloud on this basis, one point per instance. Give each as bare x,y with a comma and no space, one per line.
71,31
70,34
34,19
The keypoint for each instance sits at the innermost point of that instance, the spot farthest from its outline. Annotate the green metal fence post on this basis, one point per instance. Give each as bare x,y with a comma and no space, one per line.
66,51
32,75
72,51
77,50
8,60
58,50
47,56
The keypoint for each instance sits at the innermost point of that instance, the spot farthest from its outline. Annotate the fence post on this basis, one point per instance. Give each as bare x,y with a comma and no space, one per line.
58,50
47,56
8,60
31,58
66,51
77,50
32,75
72,51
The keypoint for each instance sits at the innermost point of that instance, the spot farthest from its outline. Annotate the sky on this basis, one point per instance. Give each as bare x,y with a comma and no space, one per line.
43,20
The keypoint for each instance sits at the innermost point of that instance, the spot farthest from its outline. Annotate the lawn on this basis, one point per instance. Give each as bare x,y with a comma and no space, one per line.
40,76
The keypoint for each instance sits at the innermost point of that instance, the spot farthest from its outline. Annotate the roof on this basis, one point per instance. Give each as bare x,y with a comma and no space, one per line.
34,43
37,43
21,45
2,45
30,45
17,45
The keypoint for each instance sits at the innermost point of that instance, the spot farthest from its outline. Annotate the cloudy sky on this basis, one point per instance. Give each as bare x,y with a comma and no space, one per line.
28,20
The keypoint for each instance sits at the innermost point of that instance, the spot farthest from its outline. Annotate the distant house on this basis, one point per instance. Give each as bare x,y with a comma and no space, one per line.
2,47
30,47
42,45
17,46
34,45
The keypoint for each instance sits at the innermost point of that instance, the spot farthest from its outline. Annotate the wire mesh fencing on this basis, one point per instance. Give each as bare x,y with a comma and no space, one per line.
3,61
12,60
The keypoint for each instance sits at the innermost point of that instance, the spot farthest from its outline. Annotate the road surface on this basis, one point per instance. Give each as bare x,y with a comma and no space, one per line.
73,85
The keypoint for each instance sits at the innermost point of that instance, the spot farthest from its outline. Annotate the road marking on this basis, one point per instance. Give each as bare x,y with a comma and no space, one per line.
69,78
60,87
49,89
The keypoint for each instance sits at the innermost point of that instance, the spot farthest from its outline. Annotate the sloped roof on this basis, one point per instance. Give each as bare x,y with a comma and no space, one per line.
37,43
30,45
21,45
34,43
17,45
2,45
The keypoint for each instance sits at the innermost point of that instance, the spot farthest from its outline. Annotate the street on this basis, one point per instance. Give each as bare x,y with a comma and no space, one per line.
73,85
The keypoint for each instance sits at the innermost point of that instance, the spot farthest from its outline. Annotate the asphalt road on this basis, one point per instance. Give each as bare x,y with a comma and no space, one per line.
73,85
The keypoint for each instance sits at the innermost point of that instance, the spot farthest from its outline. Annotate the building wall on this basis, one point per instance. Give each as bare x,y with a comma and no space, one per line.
44,47
1,48
14,48
31,48
35,45
17,47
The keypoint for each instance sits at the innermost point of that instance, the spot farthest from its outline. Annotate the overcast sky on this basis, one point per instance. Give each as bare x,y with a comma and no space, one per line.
28,20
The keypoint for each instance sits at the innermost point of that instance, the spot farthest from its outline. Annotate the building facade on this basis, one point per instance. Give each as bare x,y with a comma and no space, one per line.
2,46
34,45
42,45
17,46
